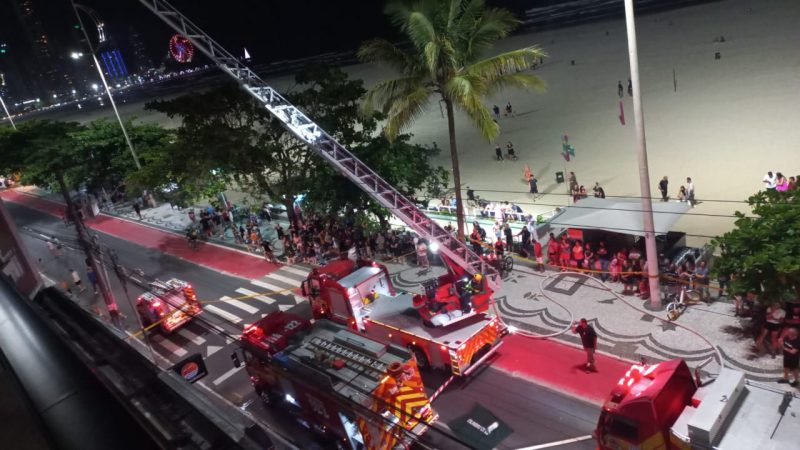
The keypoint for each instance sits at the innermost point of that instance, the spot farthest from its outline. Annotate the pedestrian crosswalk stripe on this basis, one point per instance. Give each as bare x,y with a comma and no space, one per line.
296,271
168,345
286,307
239,304
287,280
227,375
223,314
265,285
197,340
261,298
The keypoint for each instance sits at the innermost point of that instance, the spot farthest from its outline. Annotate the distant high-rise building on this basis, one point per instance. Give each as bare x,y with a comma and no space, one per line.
51,76
142,62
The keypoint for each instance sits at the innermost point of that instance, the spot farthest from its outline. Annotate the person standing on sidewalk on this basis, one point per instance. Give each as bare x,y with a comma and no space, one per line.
537,253
137,208
791,356
92,276
589,342
663,185
76,280
690,191
496,111
619,88
509,235
498,151
422,254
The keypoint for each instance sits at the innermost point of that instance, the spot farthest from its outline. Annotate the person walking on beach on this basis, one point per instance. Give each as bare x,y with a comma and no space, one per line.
498,151
630,88
496,111
534,186
589,342
663,185
512,154
510,110
619,88
690,191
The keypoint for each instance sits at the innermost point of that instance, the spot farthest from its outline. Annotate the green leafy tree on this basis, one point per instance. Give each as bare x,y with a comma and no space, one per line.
447,59
405,166
225,131
762,254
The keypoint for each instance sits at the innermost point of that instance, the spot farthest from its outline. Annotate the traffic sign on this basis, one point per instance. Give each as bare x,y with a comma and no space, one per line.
191,368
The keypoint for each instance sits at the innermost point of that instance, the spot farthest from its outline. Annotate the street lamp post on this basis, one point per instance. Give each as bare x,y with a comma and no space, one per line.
644,174
75,8
10,120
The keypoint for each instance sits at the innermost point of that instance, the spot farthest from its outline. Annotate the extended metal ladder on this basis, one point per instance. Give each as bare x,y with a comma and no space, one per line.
326,146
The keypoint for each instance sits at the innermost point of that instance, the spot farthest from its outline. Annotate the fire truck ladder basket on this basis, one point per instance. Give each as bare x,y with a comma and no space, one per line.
326,146
354,360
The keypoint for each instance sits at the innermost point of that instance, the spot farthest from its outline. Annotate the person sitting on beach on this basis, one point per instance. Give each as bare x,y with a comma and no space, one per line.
682,194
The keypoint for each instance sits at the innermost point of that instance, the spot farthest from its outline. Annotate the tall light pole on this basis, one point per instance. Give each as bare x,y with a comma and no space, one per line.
644,173
10,120
75,8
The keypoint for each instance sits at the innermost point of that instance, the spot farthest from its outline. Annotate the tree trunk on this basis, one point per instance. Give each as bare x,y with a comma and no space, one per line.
451,128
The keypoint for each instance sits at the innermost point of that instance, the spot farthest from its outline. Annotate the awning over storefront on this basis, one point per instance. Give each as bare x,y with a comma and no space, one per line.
618,215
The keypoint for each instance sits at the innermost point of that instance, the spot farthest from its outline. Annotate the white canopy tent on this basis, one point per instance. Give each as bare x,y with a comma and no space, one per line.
618,215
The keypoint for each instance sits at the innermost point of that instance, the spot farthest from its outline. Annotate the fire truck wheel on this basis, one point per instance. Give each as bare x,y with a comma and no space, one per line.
422,359
480,354
268,397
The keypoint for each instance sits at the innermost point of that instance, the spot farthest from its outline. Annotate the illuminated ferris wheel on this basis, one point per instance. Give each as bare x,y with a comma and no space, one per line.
181,48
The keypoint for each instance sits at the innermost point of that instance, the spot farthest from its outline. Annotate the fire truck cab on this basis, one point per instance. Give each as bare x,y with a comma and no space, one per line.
173,303
359,393
660,407
434,326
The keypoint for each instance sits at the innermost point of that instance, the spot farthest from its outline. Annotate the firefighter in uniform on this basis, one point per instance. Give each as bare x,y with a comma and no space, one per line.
473,285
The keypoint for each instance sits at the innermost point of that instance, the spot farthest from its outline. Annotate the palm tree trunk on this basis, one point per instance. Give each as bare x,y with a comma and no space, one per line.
451,128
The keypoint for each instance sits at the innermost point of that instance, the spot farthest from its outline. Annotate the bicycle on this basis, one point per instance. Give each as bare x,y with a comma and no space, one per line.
679,301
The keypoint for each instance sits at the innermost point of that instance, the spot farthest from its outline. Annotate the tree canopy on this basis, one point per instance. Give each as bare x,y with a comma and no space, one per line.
446,57
762,254
227,137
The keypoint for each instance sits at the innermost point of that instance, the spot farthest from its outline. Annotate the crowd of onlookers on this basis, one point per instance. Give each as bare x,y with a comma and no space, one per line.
779,182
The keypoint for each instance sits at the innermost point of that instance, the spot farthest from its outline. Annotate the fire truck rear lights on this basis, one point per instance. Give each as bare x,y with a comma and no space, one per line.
156,304
444,347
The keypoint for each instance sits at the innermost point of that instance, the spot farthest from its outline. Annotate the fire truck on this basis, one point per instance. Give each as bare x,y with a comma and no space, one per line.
170,303
660,406
448,327
357,392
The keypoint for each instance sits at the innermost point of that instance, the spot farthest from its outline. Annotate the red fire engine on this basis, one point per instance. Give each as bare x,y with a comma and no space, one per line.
661,407
447,327
173,303
358,392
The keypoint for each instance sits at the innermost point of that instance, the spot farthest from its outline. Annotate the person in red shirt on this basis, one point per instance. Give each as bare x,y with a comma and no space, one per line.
537,253
577,253
553,250
498,248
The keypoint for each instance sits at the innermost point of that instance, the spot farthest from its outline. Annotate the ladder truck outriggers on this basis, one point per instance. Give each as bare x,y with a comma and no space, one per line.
356,392
450,329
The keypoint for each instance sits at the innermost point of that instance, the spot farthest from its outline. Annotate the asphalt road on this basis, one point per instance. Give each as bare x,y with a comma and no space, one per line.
536,414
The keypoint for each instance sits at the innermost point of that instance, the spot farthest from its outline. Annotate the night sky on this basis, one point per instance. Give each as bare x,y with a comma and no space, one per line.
271,30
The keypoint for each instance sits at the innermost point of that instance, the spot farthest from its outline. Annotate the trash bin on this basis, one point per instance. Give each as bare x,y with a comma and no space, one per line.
559,177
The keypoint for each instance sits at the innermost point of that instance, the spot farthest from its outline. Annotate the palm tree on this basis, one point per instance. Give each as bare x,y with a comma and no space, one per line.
447,59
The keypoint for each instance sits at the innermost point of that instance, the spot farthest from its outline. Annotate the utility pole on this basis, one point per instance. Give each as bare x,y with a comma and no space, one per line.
91,253
644,173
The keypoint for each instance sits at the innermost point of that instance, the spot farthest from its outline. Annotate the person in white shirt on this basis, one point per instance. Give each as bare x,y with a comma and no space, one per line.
769,180
690,191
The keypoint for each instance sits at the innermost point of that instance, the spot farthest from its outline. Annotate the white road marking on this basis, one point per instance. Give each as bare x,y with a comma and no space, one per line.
303,273
173,348
239,304
222,313
198,340
558,443
287,280
286,307
265,285
255,295
227,375
211,349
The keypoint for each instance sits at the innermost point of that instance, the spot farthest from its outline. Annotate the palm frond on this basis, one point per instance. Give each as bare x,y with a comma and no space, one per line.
466,93
497,66
384,52
420,29
405,110
494,24
385,93
520,80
